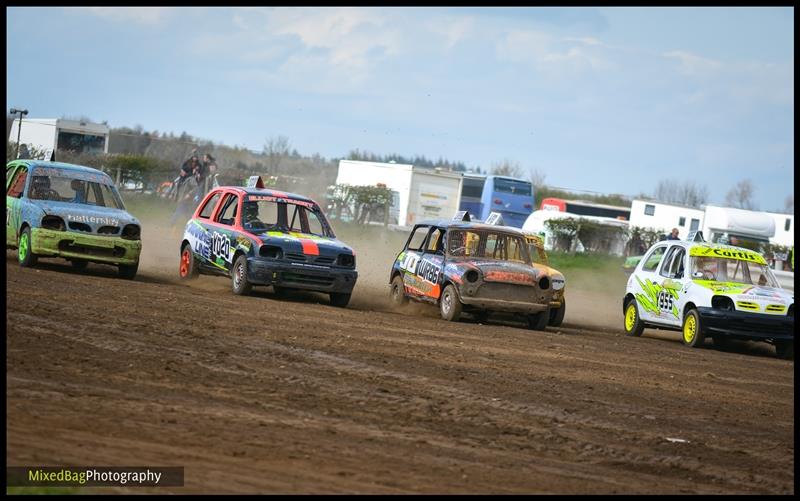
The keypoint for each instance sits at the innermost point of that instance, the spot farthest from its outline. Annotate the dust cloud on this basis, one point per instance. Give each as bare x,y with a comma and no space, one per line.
593,298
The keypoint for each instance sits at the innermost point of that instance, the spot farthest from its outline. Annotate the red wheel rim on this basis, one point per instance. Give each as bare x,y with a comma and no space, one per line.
185,263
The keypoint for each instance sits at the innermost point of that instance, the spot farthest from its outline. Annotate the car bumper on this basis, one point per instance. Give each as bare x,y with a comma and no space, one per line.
71,245
299,276
504,305
742,324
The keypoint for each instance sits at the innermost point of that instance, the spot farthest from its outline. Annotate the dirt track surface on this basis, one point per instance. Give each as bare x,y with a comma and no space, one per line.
255,394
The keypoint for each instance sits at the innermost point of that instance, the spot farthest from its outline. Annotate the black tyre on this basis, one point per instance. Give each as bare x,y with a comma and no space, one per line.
449,304
241,286
188,267
25,253
397,292
557,315
339,299
538,321
633,323
79,264
784,349
692,330
127,271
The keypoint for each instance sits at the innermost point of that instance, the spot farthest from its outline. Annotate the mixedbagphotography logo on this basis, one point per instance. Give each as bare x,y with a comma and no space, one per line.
94,476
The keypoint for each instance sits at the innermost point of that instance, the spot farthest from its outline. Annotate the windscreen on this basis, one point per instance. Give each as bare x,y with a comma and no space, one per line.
487,245
77,191
269,214
732,270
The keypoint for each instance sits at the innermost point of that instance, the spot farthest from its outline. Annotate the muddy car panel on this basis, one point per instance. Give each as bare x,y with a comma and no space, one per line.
291,259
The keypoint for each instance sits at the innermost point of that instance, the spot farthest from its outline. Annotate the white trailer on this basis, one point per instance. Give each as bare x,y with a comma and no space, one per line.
784,229
49,135
722,223
423,193
663,217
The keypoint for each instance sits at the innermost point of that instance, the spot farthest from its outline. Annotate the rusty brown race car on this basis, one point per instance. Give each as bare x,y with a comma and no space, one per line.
476,268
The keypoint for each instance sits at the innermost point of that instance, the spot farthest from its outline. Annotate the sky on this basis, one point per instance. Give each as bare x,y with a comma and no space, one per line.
601,99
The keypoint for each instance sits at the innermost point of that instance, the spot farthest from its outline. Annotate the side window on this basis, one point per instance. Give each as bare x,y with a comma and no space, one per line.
672,266
9,175
228,213
435,242
417,238
18,184
651,263
296,218
208,208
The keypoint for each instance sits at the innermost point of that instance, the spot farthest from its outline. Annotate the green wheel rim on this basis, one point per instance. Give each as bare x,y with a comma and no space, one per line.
24,247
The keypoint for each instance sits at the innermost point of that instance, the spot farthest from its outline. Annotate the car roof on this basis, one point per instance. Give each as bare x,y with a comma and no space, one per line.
694,245
267,192
466,225
62,165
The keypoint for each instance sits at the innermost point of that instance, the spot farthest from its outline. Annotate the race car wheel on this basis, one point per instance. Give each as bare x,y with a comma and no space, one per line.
188,267
339,299
26,256
449,304
79,264
557,315
241,286
397,292
633,324
538,321
127,271
784,349
693,334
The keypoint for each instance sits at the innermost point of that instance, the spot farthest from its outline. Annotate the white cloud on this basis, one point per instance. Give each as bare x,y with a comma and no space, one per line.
453,31
552,54
694,65
140,15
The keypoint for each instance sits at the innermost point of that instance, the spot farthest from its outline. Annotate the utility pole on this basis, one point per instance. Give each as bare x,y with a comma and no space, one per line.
22,113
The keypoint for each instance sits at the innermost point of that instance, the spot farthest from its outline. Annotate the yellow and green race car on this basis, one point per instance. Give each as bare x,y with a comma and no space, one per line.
709,290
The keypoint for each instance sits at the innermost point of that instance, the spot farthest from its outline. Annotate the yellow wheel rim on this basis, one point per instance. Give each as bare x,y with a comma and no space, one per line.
630,317
689,329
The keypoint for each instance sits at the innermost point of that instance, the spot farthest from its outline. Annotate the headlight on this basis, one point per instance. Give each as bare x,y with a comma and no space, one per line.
270,251
53,223
132,232
544,283
472,276
722,303
347,260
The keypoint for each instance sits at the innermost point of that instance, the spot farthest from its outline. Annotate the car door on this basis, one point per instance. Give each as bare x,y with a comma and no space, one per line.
646,283
15,191
222,232
670,293
429,269
410,257
198,230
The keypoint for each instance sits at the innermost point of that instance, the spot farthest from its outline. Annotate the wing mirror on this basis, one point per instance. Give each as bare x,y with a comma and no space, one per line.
697,274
